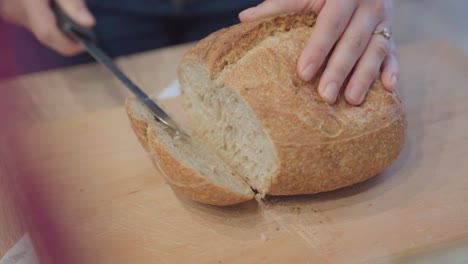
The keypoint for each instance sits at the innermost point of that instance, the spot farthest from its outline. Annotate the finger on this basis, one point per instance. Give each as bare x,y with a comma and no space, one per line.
13,12
42,23
390,70
367,69
77,11
331,23
277,7
346,53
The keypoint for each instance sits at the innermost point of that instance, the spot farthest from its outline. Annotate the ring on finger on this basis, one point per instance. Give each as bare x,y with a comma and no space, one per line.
384,32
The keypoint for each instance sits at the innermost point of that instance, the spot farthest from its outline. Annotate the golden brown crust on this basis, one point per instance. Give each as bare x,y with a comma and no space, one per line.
189,182
226,46
318,168
319,147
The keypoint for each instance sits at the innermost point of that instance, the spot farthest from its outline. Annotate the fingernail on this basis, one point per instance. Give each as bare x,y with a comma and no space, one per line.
248,12
85,16
357,94
330,93
308,72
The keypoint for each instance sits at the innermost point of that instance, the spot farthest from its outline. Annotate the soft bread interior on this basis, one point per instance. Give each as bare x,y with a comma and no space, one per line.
192,153
228,125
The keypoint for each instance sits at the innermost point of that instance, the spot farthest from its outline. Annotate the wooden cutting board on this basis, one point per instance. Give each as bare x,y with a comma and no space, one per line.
91,195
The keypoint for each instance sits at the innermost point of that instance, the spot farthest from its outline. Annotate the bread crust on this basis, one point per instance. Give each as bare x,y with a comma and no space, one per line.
319,147
308,169
225,47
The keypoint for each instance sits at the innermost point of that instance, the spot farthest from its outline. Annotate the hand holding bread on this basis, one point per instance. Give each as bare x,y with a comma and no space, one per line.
344,33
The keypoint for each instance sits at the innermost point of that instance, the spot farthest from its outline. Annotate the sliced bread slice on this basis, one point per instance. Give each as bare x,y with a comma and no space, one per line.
186,163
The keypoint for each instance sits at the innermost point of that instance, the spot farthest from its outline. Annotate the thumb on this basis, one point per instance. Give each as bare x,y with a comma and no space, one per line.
277,7
78,11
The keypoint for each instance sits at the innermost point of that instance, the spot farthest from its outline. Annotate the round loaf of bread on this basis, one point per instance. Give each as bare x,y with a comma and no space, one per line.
248,107
241,88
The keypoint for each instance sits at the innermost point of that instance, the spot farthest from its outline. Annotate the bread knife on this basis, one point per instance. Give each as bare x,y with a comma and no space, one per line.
88,38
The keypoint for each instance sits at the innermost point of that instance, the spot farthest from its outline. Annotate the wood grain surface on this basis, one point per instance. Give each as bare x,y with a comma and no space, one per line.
66,93
93,196
11,225
79,91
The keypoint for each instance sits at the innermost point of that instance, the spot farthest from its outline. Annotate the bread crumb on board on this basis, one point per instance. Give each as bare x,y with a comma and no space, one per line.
296,210
263,237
